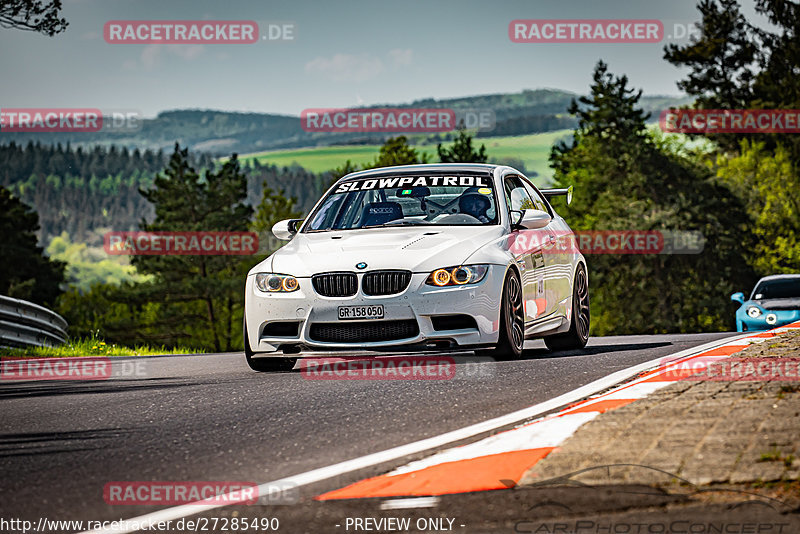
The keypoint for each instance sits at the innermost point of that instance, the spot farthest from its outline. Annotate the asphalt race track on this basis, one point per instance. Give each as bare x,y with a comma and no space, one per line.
209,417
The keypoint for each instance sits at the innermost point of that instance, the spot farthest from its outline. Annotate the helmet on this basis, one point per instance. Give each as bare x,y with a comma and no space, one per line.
474,204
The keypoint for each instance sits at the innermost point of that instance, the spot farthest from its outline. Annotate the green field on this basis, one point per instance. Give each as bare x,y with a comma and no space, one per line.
532,149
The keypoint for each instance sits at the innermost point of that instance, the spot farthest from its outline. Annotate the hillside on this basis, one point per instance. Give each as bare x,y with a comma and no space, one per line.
527,153
221,133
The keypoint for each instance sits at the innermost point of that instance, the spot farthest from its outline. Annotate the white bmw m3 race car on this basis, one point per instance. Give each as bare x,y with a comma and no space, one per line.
419,257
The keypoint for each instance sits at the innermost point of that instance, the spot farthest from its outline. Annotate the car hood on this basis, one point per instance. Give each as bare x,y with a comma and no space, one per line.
420,249
779,304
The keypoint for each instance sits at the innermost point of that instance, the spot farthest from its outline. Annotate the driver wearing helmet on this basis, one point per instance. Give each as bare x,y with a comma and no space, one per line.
475,204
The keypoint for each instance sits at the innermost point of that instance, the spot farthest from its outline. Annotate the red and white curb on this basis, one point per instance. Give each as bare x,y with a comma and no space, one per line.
519,453
500,461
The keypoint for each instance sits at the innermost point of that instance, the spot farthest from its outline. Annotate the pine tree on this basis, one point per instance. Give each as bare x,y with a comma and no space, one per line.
201,296
25,272
610,111
396,151
736,64
625,179
274,207
462,151
721,61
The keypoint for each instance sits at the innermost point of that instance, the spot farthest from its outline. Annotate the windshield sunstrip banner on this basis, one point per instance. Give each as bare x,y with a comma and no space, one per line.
414,181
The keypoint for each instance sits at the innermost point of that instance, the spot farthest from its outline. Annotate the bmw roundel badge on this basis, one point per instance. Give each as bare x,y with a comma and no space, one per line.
361,265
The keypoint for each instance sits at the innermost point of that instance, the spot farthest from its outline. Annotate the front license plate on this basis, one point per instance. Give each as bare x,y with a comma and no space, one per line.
374,311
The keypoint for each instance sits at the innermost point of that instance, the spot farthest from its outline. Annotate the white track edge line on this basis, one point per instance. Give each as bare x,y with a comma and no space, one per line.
369,460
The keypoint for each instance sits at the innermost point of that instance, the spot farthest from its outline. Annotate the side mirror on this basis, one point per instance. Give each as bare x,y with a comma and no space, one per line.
286,228
534,219
738,297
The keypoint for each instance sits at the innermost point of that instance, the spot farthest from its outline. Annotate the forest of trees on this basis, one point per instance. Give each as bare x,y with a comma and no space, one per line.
628,178
80,191
743,193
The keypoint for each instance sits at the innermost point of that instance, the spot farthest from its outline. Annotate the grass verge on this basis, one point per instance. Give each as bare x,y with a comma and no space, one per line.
91,347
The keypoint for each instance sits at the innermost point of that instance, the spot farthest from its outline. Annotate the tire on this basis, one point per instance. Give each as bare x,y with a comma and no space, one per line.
512,320
266,365
578,334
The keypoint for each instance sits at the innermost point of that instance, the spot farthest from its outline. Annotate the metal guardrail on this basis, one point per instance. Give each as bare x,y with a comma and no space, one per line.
24,323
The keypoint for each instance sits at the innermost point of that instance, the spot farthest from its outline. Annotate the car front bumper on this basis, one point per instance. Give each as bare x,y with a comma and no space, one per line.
745,323
418,303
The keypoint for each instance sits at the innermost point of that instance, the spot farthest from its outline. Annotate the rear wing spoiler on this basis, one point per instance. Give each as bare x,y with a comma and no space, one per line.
550,193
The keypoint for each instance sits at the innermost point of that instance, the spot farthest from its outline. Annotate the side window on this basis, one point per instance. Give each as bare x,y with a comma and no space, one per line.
538,201
508,186
326,215
517,196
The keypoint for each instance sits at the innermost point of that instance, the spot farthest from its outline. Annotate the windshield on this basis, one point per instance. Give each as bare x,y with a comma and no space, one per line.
407,201
778,289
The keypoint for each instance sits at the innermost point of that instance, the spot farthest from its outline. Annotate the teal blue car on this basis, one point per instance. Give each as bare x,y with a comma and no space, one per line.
775,301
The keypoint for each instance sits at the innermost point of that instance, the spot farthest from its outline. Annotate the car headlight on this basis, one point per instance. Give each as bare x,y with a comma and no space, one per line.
276,283
457,276
753,312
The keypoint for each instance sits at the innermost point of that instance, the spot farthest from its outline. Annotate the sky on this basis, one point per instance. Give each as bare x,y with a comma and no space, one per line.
344,53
